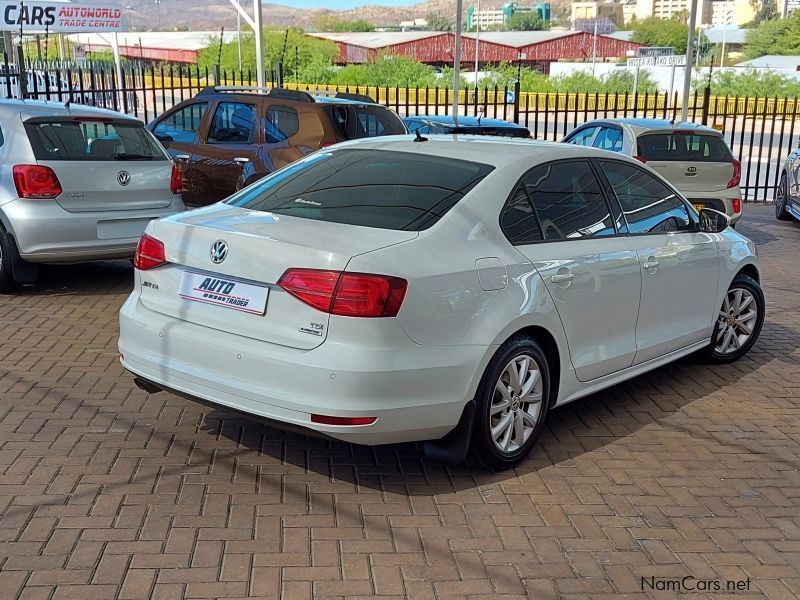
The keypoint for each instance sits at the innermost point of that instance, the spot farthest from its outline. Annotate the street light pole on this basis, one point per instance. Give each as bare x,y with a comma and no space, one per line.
687,72
477,39
456,61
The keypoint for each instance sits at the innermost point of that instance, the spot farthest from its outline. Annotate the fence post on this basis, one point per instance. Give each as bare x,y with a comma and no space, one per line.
706,102
516,101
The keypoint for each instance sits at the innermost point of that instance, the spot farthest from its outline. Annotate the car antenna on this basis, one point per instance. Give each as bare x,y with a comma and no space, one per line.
419,137
480,116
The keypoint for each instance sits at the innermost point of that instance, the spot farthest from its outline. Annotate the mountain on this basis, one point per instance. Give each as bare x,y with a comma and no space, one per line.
205,15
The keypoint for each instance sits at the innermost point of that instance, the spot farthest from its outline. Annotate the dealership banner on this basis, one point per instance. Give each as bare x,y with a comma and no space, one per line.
58,17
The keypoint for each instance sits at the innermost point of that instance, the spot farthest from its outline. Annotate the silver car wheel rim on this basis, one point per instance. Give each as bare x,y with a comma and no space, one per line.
736,321
779,195
516,403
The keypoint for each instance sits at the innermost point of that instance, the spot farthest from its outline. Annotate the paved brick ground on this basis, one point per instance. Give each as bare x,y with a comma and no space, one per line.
108,492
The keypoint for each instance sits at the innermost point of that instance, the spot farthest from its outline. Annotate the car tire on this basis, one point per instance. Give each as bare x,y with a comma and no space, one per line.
506,425
742,311
7,282
781,194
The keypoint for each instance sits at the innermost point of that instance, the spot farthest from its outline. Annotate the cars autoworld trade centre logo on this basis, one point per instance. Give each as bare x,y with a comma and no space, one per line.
58,17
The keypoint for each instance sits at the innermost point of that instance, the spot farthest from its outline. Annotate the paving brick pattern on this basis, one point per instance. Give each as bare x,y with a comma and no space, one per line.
107,492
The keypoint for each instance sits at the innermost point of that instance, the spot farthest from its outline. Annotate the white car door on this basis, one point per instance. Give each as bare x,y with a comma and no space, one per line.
680,264
590,270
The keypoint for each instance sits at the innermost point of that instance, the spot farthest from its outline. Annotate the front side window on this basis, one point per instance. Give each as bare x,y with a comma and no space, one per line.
91,140
609,138
582,137
649,206
281,123
370,188
569,201
233,123
183,125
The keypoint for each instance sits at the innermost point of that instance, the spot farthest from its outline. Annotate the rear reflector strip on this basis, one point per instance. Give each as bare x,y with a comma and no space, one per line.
329,420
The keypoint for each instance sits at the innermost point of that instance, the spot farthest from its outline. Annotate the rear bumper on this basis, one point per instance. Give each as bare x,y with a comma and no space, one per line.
415,392
46,233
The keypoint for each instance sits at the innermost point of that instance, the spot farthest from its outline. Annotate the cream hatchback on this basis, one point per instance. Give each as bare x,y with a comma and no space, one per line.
451,289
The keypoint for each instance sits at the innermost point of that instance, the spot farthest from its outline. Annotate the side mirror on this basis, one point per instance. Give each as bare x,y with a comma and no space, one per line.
713,221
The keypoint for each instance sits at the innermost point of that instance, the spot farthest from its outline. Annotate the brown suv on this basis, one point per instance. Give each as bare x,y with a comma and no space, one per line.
228,137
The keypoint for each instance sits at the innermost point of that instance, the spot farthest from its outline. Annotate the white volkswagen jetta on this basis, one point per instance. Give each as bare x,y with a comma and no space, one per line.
451,289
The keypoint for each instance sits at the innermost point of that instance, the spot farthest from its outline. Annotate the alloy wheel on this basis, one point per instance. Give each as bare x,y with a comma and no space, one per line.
516,403
780,194
736,320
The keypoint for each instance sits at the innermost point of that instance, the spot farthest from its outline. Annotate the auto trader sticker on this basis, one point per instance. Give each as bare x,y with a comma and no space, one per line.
229,293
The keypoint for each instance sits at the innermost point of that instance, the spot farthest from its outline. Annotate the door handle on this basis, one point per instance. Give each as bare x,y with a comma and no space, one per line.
562,278
241,160
181,158
650,263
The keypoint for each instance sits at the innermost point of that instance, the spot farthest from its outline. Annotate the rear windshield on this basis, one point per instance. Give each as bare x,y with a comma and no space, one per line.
371,188
353,121
92,140
684,147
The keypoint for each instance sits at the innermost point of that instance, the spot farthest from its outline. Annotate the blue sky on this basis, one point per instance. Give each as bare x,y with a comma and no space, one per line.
340,4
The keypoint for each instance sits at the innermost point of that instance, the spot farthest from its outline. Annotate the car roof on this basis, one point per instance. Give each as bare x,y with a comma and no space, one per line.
496,151
643,125
283,95
465,121
47,108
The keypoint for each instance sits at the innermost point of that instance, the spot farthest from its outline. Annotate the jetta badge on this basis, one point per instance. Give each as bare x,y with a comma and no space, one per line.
219,250
123,178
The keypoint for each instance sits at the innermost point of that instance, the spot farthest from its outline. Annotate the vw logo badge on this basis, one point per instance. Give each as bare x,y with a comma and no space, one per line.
219,250
123,178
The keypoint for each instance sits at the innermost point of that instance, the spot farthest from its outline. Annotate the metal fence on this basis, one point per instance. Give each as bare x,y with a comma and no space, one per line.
760,130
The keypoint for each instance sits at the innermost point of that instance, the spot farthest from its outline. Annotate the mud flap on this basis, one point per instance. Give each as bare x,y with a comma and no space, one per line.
454,447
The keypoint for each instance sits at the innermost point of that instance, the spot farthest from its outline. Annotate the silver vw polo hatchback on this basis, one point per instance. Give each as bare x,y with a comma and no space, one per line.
77,183
451,289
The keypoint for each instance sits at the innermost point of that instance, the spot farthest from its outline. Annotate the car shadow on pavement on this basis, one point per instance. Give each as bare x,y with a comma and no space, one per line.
105,278
645,407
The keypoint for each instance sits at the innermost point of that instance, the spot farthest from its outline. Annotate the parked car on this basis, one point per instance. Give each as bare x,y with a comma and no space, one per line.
693,158
225,138
386,291
77,183
787,194
466,125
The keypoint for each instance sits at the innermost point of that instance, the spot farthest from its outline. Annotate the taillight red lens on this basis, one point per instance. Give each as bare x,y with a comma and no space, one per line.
150,253
329,420
346,294
737,174
737,205
175,180
641,159
36,181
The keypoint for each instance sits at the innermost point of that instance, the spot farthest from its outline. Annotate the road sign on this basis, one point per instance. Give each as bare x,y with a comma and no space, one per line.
79,52
655,51
658,61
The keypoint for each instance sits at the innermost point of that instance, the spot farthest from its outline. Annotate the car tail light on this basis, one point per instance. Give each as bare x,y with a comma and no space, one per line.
737,174
737,205
346,294
328,144
641,159
175,180
329,420
150,253
36,181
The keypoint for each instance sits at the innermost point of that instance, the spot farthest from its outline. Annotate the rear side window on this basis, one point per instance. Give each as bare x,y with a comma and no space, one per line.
649,205
371,188
518,221
281,123
609,138
233,123
569,201
583,137
90,139
182,126
684,147
353,121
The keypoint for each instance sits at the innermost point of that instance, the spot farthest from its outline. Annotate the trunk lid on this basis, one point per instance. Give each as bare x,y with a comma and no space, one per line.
691,161
103,164
261,247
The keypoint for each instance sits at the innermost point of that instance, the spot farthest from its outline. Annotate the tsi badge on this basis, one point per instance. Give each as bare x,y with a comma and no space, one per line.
123,178
219,250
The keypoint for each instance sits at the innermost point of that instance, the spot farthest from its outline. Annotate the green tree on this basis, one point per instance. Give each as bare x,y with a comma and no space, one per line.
778,36
766,10
392,71
738,82
654,31
325,21
525,21
436,22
